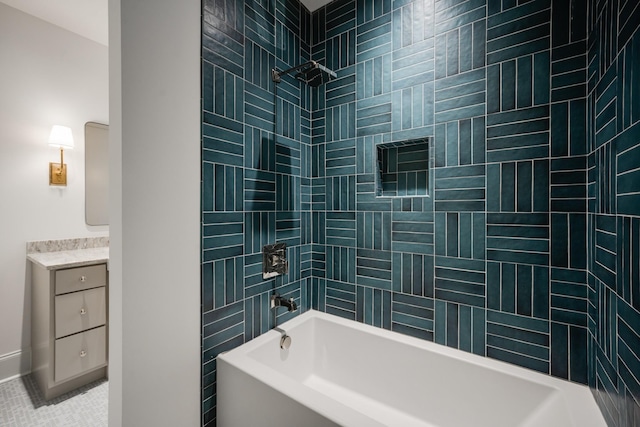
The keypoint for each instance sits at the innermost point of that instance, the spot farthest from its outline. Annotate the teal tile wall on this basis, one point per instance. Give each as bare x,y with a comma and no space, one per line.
494,261
256,170
613,184
526,249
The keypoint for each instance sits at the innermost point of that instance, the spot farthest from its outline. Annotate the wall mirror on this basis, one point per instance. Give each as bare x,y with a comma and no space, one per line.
96,175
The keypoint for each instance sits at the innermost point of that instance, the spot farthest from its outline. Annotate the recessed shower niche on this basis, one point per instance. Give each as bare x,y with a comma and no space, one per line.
403,168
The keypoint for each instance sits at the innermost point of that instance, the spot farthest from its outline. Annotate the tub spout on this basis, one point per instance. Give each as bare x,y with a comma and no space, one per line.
278,301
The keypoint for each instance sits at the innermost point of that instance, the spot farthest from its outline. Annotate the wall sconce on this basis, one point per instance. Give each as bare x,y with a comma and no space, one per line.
60,137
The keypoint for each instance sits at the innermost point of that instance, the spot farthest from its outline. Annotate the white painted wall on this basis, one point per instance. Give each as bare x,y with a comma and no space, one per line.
48,76
155,213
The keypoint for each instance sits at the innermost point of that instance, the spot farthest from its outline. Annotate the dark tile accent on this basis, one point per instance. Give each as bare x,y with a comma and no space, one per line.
525,248
520,340
413,315
373,307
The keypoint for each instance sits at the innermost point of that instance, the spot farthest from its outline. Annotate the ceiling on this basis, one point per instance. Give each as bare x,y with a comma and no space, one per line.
88,18
314,4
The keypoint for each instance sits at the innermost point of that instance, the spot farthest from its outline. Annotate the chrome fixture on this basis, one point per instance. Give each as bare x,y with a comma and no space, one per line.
311,73
278,301
285,340
274,260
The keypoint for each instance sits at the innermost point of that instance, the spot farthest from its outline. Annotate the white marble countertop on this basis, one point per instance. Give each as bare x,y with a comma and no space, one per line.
71,258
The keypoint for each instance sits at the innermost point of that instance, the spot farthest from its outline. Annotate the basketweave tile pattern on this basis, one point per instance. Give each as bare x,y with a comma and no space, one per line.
525,249
613,159
21,405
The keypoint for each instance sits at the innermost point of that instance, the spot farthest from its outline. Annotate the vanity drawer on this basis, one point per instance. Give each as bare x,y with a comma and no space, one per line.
80,278
79,311
79,353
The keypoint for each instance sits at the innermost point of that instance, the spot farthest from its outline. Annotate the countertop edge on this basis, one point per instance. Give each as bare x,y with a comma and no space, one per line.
69,259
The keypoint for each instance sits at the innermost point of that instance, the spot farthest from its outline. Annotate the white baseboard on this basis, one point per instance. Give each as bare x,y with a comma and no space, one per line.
15,364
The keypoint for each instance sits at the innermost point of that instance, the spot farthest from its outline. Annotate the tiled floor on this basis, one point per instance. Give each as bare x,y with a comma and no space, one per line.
22,405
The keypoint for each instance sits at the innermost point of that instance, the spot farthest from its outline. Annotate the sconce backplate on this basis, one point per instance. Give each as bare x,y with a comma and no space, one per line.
57,174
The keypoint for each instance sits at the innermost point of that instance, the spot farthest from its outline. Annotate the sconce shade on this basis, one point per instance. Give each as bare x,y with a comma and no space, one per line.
61,137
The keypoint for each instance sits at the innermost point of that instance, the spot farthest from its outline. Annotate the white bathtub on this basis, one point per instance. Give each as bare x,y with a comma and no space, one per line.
340,372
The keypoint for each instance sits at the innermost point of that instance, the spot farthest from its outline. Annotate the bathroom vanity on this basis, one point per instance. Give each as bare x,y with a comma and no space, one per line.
69,306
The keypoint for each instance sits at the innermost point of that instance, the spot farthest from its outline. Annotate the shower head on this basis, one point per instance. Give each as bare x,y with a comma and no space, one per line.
310,73
315,75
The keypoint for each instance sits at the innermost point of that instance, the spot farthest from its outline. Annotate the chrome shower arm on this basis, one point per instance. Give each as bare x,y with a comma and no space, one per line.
326,70
311,73
276,75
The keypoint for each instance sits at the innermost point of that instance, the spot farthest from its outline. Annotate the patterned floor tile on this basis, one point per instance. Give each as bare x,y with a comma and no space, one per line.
22,405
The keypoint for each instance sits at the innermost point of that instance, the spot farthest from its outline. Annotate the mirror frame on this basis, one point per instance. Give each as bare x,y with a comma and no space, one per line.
96,173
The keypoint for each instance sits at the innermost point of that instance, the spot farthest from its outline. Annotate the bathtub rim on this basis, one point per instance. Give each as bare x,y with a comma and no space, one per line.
574,395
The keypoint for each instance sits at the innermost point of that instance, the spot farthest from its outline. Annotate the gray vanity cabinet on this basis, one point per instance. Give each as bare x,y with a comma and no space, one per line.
68,327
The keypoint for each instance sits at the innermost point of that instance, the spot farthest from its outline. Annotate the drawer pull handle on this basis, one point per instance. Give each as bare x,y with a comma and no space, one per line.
83,311
83,279
83,353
